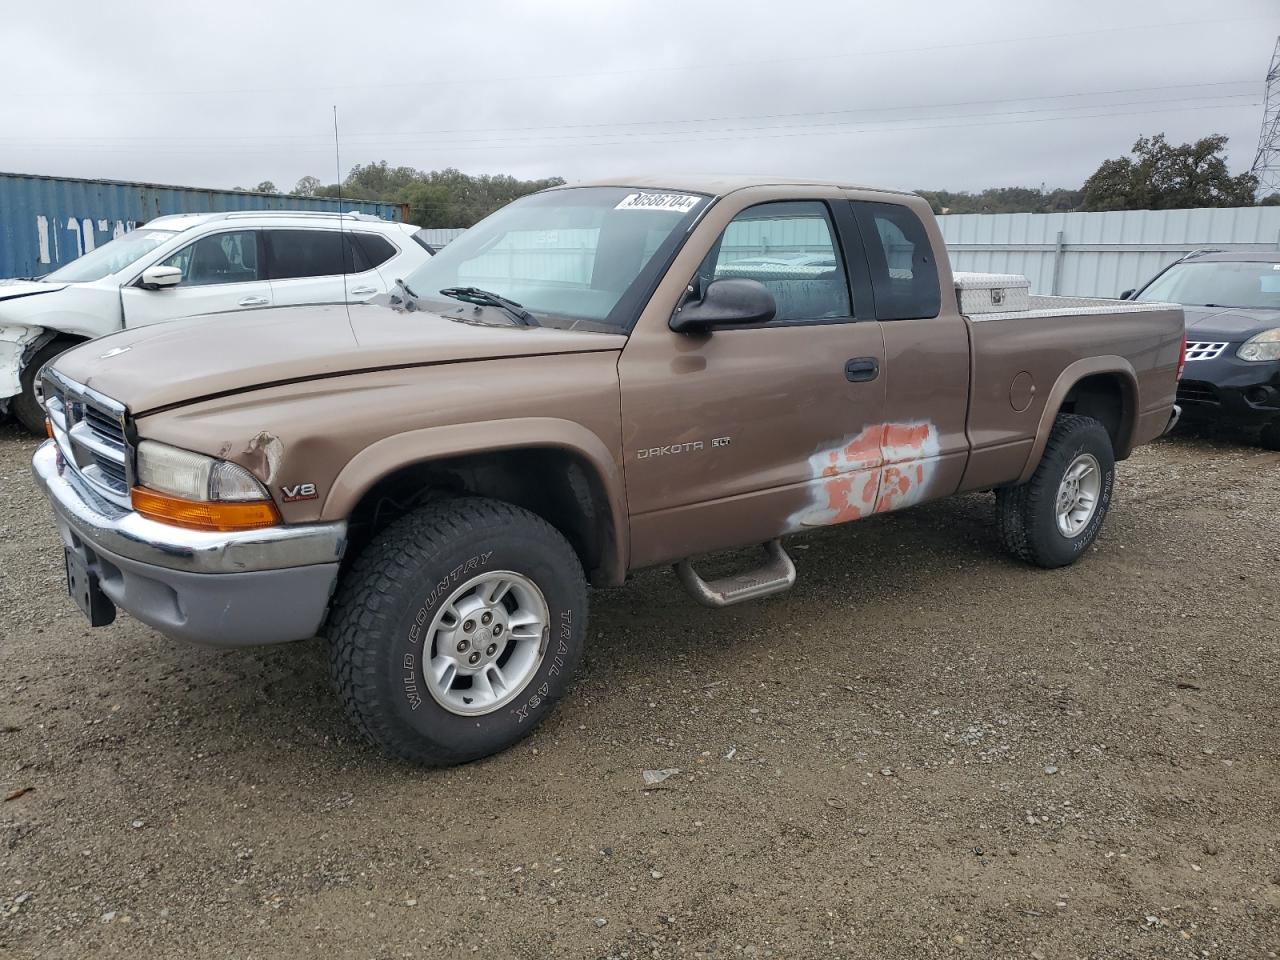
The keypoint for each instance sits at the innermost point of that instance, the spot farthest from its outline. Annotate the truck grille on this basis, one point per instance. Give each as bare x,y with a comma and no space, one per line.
1204,351
89,431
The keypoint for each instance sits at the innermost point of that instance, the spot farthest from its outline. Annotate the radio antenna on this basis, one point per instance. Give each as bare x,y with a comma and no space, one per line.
342,240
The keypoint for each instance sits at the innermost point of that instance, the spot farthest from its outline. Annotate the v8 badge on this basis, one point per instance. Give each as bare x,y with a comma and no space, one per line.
300,491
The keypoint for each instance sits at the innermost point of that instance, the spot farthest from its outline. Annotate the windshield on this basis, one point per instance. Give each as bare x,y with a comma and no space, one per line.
583,257
111,257
1218,283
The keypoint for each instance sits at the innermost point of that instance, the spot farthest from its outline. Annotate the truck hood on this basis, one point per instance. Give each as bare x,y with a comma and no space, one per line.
1228,324
13,289
188,360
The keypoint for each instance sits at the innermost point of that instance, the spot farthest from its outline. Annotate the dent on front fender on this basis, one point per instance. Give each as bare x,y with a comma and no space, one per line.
15,343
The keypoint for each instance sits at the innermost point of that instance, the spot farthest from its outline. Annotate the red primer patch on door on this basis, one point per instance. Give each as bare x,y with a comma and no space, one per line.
851,479
886,467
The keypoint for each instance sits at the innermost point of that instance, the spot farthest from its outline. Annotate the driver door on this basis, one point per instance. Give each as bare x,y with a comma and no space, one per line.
221,272
749,433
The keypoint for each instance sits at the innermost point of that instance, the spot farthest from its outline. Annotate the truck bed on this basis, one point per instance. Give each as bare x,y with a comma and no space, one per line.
1025,370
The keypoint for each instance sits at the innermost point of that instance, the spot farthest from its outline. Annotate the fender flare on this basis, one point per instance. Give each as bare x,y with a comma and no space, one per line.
386,456
1070,376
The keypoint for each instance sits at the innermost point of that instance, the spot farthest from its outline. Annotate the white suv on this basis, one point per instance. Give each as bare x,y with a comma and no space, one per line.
189,264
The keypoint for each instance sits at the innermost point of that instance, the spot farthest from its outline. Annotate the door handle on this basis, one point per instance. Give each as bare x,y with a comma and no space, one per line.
861,369
363,291
254,302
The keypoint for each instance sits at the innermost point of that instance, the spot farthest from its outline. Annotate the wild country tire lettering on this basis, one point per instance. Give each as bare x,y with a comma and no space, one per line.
421,618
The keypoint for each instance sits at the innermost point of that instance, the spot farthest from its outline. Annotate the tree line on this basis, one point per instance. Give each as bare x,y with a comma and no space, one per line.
1156,176
436,198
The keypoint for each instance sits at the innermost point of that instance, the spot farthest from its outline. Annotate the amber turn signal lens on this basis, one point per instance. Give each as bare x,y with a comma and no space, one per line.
222,516
48,428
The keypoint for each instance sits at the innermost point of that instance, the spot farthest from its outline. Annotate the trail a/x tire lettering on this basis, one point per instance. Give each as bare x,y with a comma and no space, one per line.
557,661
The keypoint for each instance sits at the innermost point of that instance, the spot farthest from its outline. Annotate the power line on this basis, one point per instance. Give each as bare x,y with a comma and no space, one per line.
963,123
659,136
862,52
258,138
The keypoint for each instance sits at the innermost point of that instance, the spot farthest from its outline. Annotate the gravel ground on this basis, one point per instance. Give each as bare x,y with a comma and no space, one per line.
925,749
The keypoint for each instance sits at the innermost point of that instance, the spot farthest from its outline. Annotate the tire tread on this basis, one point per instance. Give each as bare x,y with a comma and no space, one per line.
360,615
1018,505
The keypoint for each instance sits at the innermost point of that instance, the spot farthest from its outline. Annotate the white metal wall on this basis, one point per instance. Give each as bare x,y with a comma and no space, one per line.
439,236
1084,254
1100,254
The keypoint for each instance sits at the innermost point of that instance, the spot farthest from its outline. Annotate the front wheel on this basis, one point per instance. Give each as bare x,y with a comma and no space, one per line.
1053,518
26,408
457,630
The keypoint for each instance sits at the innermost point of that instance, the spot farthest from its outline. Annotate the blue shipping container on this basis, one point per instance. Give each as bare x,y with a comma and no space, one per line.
46,222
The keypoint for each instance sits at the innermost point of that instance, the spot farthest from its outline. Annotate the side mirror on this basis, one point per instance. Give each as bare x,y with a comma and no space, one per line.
155,278
1128,294
733,301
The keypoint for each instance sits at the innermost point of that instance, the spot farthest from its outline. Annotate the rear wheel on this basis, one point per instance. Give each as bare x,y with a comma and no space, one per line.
457,630
1053,518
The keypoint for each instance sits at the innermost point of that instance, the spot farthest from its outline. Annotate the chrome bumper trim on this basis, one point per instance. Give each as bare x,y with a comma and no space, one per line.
101,523
1173,419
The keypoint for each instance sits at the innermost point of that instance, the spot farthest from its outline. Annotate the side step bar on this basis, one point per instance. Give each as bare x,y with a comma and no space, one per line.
776,575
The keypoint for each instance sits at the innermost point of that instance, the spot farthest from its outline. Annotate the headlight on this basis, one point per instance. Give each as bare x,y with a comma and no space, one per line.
1265,346
191,490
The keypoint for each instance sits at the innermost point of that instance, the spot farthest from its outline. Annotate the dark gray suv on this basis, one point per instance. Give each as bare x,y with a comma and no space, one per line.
1232,305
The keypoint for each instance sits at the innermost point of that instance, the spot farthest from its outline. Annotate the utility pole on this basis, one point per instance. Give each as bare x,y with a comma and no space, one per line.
1266,165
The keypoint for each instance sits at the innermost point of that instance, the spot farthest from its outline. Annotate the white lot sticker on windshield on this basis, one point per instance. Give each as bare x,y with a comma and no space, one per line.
679,202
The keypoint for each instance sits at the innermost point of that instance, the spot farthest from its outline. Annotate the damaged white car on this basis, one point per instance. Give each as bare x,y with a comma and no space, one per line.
190,264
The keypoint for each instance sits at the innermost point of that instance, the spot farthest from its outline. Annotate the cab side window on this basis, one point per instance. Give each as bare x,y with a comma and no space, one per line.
219,258
790,248
904,277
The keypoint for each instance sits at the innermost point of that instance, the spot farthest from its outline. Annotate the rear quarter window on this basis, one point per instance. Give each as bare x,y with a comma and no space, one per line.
370,250
904,276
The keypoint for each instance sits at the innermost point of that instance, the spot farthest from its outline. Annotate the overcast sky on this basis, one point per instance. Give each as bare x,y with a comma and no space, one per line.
910,94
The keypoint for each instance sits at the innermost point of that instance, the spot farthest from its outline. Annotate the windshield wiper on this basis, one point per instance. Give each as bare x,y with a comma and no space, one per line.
484,298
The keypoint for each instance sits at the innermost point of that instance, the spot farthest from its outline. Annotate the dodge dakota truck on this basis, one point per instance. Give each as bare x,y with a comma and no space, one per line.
593,380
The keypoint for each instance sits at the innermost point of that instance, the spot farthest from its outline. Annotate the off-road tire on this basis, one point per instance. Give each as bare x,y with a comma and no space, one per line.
377,627
1025,513
26,408
1269,438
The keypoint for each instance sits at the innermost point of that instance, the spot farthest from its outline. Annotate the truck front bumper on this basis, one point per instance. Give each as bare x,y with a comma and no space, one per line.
246,588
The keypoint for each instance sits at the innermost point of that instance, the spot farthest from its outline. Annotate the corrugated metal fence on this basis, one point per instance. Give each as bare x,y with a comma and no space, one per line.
46,222
1100,254
440,236
1084,254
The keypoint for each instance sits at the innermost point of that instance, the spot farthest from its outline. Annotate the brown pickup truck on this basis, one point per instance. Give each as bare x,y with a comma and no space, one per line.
593,380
